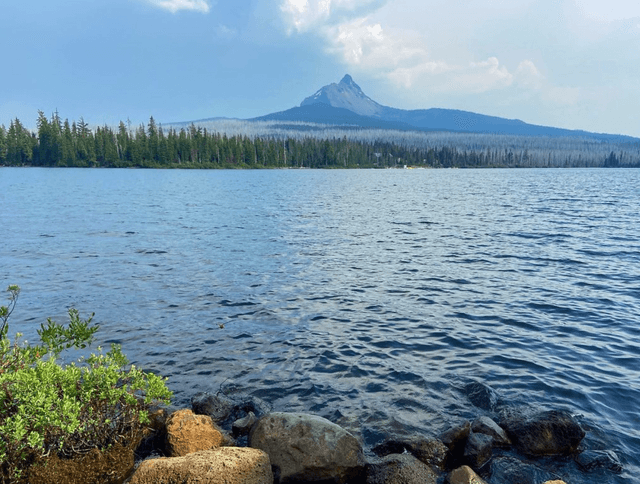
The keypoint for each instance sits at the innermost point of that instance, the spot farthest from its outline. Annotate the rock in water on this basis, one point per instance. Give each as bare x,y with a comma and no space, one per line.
242,426
429,451
478,452
546,433
218,407
400,469
308,448
481,395
590,460
484,425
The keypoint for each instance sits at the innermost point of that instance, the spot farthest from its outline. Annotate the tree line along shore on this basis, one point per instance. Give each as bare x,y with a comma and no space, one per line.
58,143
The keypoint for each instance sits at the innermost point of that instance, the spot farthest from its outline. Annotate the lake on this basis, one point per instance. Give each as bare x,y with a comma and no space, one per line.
370,297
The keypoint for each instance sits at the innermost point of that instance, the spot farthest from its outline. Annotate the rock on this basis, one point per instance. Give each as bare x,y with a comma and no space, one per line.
218,407
429,451
464,475
546,433
400,469
110,466
455,439
307,448
509,470
456,436
187,433
484,425
224,410
243,426
590,460
481,395
555,482
225,465
477,451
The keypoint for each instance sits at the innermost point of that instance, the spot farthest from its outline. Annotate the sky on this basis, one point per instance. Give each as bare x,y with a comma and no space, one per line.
566,63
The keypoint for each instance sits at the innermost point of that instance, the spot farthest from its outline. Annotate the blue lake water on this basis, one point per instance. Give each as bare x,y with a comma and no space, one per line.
368,297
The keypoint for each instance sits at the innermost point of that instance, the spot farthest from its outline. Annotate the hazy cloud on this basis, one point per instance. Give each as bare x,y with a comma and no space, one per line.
225,32
174,5
608,11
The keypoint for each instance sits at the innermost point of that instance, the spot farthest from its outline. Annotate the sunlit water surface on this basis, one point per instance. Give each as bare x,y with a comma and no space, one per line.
368,297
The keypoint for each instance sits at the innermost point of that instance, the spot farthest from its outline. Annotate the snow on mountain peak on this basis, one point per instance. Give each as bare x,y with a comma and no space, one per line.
346,94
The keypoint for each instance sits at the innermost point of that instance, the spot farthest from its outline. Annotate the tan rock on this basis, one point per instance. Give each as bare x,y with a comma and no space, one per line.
188,433
555,482
465,475
224,465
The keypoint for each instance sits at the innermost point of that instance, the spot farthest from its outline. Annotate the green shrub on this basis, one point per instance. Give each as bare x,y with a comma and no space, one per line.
70,409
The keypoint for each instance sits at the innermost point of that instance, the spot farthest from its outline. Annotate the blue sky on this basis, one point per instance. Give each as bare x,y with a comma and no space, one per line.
567,63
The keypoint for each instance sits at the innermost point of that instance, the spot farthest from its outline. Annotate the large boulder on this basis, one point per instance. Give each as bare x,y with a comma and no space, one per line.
188,433
307,448
554,432
400,469
225,465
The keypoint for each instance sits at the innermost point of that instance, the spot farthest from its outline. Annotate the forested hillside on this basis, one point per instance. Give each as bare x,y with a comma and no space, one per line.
241,144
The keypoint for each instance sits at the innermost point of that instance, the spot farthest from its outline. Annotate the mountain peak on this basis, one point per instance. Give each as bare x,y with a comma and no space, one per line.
346,94
348,80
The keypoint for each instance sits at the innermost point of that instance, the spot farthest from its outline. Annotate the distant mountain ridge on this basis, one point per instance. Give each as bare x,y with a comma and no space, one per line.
345,103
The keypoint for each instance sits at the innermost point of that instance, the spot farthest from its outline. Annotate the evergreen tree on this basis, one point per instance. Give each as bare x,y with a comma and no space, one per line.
3,145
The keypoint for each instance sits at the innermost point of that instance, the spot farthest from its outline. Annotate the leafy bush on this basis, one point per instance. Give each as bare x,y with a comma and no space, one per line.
70,409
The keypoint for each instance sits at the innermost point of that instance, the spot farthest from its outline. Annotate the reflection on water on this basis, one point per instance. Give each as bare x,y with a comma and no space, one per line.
369,297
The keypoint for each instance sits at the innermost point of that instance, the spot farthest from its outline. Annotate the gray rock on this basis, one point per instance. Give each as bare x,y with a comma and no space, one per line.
243,425
224,410
554,432
477,451
429,451
591,460
484,425
308,448
218,407
400,469
481,395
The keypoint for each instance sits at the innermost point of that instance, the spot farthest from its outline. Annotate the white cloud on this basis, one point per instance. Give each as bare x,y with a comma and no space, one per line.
527,75
365,44
174,5
304,15
400,56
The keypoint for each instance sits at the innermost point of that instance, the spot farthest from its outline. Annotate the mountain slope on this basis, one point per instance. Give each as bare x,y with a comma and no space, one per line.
348,95
322,113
